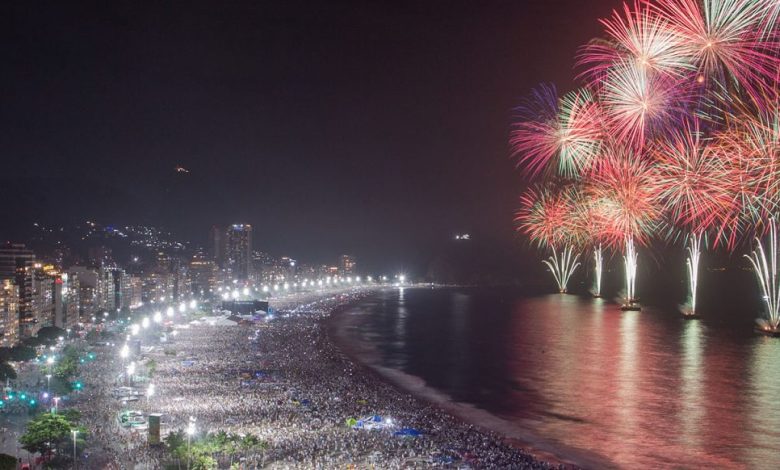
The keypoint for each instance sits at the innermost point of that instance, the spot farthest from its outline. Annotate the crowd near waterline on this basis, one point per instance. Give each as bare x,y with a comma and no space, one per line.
283,381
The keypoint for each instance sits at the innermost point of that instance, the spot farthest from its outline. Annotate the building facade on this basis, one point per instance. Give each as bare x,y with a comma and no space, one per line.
238,251
9,313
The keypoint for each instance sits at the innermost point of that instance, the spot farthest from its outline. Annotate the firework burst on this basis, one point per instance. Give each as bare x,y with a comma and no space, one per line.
677,132
561,134
552,219
622,191
640,104
727,41
693,182
638,35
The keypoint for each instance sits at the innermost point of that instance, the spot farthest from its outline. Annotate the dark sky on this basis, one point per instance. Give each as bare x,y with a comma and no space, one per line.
377,128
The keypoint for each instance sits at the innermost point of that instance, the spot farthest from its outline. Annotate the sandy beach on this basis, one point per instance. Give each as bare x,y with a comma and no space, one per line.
307,390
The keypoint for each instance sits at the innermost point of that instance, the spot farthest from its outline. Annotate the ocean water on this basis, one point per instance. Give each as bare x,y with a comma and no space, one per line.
576,377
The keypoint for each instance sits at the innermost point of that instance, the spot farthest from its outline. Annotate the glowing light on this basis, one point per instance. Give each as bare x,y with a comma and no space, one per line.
598,258
766,274
562,267
630,262
692,263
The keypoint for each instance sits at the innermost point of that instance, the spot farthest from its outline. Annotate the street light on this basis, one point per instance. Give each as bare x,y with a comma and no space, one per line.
149,392
56,402
190,432
75,432
48,383
124,352
169,311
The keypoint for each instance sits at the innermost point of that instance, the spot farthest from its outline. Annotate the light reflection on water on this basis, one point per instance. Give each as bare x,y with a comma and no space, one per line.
631,389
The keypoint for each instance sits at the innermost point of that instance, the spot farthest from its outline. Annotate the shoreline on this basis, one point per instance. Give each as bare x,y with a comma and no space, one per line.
335,326
300,407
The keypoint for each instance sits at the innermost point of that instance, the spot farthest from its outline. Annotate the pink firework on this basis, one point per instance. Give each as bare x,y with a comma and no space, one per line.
694,184
550,217
623,194
534,138
728,42
563,135
639,35
640,104
750,150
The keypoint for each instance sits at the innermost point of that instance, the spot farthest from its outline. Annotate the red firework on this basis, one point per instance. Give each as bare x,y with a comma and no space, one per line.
623,197
551,217
694,183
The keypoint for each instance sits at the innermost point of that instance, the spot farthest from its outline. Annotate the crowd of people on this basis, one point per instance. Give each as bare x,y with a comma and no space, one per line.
284,381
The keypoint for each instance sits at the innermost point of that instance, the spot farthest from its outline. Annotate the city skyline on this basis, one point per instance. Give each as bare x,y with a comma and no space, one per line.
343,144
526,234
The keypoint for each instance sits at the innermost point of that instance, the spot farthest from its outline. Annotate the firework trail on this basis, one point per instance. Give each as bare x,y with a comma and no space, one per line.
551,219
630,262
562,267
598,258
766,273
692,263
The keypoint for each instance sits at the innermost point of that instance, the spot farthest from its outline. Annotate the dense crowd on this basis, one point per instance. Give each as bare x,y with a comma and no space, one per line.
285,382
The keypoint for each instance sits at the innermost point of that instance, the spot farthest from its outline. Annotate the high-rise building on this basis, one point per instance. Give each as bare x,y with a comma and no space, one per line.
71,294
43,302
202,273
9,313
238,253
347,265
217,245
120,278
88,291
182,287
134,291
16,263
105,290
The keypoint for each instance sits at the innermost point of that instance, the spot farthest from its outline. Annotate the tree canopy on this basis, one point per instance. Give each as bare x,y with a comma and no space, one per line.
7,372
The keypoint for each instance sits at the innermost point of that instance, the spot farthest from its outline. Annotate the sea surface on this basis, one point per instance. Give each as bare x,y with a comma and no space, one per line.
576,377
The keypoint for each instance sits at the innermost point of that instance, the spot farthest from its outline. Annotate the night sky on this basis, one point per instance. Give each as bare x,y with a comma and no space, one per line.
375,128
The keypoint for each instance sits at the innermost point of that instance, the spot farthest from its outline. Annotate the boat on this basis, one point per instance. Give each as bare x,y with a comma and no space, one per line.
767,331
